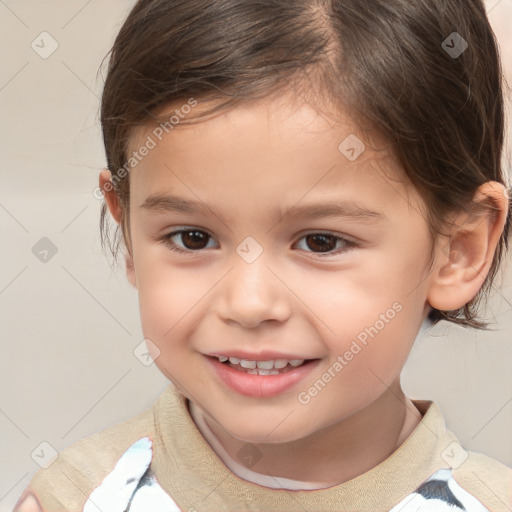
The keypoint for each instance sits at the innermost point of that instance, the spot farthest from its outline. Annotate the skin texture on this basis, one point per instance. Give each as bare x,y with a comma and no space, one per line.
245,164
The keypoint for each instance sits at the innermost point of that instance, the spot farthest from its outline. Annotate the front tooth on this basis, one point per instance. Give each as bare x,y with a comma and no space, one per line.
234,360
244,363
223,359
265,365
296,362
280,363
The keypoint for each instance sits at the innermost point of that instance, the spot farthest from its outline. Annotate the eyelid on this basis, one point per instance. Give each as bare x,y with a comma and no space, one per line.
343,236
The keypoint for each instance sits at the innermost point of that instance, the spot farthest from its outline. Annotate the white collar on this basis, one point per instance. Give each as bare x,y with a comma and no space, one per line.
242,471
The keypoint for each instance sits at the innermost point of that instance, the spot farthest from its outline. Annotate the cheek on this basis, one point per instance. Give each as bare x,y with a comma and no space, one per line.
167,296
369,318
343,303
362,365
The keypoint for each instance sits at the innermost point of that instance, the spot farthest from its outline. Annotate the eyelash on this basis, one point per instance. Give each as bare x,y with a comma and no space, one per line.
348,244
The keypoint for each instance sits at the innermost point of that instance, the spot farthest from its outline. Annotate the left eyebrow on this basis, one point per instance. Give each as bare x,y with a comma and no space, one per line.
349,209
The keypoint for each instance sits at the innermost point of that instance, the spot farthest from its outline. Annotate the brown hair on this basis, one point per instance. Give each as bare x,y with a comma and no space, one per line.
392,64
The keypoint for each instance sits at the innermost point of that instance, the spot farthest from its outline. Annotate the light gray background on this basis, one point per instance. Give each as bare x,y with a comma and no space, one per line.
70,325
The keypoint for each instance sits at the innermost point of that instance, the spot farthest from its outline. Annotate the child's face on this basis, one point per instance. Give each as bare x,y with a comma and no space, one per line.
356,313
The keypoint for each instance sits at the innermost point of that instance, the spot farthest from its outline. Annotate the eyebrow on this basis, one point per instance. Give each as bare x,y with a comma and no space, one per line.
350,209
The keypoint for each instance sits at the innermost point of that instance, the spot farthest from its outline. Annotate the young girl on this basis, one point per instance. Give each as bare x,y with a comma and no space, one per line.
301,187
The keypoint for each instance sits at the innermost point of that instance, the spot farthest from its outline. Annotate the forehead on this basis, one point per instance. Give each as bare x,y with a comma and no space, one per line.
278,150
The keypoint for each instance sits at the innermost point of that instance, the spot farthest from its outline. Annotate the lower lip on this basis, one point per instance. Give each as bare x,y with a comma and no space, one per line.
261,386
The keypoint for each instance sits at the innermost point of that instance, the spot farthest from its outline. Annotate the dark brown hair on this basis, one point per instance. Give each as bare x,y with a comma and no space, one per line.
396,66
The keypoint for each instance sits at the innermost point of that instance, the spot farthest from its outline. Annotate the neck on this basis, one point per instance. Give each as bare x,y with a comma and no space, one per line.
362,441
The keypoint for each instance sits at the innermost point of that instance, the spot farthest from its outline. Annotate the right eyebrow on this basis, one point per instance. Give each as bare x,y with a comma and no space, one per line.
170,203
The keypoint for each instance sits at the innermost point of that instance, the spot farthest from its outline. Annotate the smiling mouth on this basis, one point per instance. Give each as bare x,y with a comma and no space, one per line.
270,367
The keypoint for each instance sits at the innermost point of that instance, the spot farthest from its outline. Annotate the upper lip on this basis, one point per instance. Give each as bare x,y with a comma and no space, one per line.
266,355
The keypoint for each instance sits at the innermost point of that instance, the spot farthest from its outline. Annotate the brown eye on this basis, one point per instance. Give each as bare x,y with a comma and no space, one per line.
325,244
193,240
321,243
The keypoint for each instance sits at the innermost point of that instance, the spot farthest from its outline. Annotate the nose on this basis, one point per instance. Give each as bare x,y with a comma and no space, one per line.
252,293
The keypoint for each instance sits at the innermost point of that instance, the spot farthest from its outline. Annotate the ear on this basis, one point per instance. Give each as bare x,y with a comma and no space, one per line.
465,259
112,200
130,270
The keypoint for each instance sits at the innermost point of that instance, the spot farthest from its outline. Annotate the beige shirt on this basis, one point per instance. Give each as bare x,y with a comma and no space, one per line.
191,473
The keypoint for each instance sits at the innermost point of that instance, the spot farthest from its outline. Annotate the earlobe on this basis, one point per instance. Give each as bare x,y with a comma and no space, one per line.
464,261
458,277
111,198
130,270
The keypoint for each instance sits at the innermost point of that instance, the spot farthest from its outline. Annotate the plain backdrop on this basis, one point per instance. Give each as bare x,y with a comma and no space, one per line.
70,324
